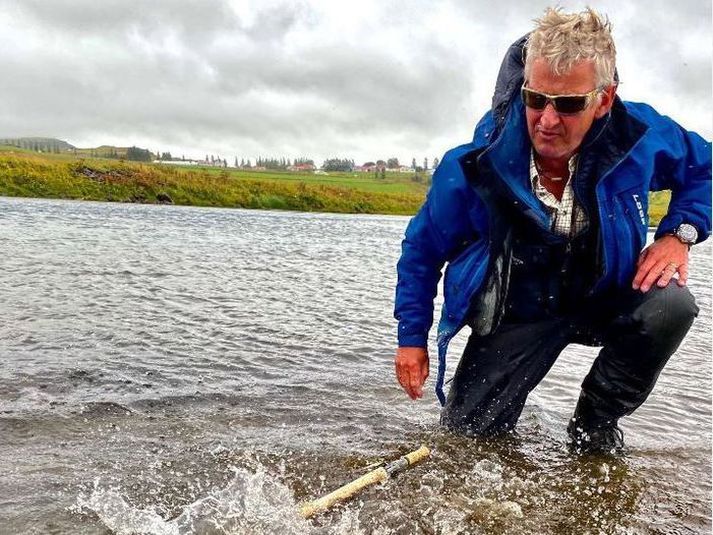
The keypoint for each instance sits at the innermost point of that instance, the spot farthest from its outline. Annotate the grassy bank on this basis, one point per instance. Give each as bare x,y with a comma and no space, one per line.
62,176
658,205
26,174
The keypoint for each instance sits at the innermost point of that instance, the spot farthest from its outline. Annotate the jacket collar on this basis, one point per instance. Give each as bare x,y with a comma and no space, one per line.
508,159
610,138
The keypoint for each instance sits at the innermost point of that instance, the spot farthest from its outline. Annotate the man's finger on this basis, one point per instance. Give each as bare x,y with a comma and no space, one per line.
404,378
683,274
659,269
412,369
406,384
643,271
668,272
415,384
642,257
403,374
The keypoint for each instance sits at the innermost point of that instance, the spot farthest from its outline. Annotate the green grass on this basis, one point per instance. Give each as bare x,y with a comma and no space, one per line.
29,174
658,205
393,183
25,173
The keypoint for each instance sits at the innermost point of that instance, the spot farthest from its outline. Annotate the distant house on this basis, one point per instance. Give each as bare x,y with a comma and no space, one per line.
178,162
370,167
303,167
406,169
366,168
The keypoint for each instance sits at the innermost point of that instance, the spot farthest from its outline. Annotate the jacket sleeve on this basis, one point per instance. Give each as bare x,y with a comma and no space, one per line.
418,271
432,238
685,169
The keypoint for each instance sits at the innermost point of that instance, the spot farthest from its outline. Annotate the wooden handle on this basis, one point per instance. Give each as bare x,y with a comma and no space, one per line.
375,476
325,502
419,455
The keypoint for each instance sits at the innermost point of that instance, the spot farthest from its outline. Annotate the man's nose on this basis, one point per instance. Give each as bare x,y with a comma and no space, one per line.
549,117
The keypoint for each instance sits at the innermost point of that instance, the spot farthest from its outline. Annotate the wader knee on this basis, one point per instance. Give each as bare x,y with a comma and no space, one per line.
642,337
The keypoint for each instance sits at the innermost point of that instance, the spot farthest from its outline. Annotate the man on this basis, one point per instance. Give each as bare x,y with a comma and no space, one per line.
542,220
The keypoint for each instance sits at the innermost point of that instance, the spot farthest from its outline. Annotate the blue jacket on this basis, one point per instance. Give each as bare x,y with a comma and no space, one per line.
636,151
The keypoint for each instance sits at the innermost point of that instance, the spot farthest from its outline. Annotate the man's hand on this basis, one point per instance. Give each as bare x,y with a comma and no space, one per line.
412,369
659,262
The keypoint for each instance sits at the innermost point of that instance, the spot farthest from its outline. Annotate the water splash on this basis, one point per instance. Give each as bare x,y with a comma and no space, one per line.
252,502
120,517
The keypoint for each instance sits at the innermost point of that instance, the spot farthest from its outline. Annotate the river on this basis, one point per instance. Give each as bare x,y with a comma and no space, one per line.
176,370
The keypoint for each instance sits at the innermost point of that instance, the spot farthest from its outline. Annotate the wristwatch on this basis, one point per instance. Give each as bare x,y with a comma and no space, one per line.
686,234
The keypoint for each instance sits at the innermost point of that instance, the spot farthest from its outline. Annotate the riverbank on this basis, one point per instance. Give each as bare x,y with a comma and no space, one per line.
25,174
28,174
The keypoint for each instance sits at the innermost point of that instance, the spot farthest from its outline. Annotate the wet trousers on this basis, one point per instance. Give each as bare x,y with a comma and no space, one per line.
638,333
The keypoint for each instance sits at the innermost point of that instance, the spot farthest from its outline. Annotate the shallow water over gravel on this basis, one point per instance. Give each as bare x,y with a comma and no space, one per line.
184,370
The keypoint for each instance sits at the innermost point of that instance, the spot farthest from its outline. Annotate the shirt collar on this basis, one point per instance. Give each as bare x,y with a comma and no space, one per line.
534,175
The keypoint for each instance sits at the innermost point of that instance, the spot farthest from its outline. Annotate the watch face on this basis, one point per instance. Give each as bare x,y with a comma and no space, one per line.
687,233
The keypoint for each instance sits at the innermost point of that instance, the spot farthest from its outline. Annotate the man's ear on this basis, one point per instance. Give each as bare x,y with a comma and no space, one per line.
606,99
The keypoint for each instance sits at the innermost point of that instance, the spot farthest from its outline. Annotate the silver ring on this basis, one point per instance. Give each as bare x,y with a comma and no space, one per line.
671,268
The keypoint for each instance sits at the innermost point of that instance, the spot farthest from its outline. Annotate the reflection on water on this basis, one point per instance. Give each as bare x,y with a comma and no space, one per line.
184,370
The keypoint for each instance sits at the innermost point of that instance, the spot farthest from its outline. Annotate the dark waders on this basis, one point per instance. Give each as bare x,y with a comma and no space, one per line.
638,332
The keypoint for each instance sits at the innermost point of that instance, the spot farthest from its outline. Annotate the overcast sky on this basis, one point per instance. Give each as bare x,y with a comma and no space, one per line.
315,78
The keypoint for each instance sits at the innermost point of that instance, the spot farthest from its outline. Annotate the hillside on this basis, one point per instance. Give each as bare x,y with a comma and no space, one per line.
44,144
59,146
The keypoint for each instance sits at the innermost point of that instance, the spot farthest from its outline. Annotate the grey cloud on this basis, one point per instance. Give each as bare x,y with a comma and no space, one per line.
275,22
684,74
195,25
366,82
111,17
215,88
194,74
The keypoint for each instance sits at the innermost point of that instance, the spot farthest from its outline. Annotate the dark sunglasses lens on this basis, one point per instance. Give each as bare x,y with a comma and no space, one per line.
534,100
570,104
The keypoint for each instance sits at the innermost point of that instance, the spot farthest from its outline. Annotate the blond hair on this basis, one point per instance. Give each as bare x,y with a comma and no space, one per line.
564,39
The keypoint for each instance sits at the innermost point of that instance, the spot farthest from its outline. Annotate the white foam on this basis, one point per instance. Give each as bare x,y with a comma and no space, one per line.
252,502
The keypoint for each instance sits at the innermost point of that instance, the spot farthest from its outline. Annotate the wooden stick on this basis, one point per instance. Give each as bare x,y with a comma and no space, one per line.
375,476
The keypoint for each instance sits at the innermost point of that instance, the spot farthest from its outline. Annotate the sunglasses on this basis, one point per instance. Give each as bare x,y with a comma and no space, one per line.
563,104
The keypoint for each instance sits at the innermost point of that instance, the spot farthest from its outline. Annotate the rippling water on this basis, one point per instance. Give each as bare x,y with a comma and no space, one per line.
182,370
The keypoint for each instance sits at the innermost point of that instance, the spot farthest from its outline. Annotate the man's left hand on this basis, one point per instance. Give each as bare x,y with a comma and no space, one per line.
659,262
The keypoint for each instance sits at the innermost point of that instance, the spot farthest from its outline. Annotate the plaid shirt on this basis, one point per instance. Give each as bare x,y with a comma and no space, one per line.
567,218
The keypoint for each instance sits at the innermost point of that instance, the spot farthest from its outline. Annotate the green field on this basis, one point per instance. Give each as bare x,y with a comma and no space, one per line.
64,176
30,174
393,183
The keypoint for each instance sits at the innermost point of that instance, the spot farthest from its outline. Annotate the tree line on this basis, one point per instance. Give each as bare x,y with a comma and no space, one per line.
57,146
138,154
37,145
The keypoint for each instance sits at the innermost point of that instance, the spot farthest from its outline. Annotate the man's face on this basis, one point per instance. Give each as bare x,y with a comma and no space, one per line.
553,135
